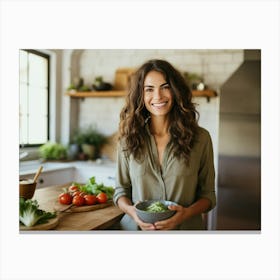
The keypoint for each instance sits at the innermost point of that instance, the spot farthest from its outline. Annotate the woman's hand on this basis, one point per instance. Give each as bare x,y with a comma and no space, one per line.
144,226
183,213
126,206
180,216
139,222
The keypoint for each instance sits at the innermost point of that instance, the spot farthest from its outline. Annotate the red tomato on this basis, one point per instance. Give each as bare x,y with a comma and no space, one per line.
73,188
102,197
78,200
78,193
82,193
90,199
65,198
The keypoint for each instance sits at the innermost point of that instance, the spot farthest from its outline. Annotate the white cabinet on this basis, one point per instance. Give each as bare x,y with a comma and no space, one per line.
54,177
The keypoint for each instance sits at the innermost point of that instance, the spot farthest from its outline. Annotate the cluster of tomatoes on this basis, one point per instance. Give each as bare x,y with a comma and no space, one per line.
78,198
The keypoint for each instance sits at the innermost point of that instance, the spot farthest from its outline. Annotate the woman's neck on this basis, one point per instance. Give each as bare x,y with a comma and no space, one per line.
159,126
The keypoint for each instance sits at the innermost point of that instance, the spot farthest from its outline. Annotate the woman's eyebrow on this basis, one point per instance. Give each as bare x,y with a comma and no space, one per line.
154,86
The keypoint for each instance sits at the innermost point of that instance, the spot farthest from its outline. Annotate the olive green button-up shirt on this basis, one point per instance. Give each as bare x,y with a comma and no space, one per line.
174,180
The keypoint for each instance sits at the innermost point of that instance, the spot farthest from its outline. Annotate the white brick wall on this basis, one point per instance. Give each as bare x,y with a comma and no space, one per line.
215,65
102,112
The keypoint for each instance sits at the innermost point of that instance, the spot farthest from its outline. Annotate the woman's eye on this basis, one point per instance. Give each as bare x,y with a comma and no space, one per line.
148,90
166,87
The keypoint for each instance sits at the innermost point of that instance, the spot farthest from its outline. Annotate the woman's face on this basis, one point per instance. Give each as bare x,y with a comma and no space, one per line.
157,94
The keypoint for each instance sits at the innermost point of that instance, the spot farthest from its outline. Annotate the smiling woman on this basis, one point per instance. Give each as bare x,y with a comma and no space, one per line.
159,134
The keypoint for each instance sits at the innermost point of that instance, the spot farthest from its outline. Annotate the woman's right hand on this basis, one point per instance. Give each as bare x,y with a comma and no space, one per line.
126,206
139,222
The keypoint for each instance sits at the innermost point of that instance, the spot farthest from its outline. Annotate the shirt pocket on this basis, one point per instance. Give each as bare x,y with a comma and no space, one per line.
180,168
137,169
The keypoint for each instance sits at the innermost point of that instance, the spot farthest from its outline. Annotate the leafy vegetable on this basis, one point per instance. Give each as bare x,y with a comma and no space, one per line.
53,151
92,187
30,214
157,207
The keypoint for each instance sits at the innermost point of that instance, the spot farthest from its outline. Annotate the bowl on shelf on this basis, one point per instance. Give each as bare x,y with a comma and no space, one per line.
27,188
151,211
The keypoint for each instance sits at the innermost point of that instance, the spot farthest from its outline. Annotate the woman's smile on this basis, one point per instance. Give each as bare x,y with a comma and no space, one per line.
159,105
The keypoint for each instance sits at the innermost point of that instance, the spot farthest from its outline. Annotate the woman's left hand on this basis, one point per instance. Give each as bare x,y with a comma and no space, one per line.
181,215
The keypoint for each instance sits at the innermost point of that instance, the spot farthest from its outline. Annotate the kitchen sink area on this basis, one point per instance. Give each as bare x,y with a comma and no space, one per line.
54,173
30,167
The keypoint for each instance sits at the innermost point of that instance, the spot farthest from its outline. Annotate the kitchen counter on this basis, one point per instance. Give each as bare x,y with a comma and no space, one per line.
99,219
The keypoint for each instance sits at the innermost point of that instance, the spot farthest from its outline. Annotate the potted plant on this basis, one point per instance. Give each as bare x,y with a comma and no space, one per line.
90,140
99,84
53,151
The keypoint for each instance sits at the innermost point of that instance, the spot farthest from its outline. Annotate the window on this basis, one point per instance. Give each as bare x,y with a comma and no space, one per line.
34,97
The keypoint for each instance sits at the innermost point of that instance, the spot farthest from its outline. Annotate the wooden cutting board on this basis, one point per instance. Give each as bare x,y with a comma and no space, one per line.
77,221
72,208
51,224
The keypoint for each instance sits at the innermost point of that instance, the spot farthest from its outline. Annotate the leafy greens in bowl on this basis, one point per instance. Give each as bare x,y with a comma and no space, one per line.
151,211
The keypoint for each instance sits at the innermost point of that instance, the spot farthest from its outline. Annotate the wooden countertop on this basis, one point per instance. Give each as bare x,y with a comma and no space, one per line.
77,221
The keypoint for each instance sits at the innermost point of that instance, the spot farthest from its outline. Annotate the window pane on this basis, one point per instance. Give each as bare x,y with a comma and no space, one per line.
23,99
23,66
23,124
37,129
38,71
38,115
23,112
38,99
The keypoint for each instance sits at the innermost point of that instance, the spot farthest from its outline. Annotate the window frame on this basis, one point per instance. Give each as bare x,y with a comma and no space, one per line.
48,57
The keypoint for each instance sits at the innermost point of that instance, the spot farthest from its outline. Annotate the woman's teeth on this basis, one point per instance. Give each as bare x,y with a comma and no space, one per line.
159,105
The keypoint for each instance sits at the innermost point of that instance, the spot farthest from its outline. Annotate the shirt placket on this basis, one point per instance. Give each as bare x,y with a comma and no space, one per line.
159,171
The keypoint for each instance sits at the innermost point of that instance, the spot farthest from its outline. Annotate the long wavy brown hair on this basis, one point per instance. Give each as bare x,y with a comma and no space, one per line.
134,115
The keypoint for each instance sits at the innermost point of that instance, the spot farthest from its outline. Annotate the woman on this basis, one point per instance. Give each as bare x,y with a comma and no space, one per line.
162,152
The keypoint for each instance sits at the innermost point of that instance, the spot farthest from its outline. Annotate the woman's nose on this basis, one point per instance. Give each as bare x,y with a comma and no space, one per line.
157,93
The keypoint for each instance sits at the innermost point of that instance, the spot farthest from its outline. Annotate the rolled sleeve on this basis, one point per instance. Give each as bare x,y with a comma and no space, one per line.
206,176
123,182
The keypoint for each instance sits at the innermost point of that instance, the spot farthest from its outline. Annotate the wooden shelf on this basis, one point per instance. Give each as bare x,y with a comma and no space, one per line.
204,93
111,93
122,93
